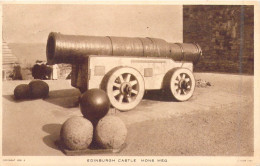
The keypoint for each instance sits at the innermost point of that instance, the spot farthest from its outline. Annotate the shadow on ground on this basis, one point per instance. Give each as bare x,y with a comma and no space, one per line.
158,95
66,98
54,134
12,99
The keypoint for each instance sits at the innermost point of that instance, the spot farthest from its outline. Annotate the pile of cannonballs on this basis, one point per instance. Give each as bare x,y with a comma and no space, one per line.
95,126
34,90
107,131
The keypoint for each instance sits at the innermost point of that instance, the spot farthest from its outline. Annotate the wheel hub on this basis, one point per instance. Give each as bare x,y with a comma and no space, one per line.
183,84
126,88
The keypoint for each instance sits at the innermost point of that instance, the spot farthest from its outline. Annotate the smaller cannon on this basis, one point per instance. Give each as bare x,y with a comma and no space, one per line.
125,67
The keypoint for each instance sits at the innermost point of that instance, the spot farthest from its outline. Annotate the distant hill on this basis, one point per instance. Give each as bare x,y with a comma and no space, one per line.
28,53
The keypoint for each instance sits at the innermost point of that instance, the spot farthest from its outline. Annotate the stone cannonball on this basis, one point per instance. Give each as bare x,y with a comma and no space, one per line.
22,91
38,89
76,133
94,104
110,132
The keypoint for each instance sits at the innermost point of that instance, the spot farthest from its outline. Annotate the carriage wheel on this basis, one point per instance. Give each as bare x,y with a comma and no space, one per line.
182,84
125,88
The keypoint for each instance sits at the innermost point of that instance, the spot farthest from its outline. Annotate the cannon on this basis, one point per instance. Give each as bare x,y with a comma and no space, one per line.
125,67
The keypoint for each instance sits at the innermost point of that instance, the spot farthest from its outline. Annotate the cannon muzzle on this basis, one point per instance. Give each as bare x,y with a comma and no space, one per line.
73,49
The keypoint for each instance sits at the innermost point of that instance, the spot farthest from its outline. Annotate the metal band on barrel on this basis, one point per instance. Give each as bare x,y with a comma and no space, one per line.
199,51
182,51
153,44
142,43
111,45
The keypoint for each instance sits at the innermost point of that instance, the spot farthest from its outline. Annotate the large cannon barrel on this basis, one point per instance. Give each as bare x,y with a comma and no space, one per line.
72,49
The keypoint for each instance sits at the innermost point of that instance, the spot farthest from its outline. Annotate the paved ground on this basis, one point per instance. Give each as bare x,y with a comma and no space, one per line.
217,120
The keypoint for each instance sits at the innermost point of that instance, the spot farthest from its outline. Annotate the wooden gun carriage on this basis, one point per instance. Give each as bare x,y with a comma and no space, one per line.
125,67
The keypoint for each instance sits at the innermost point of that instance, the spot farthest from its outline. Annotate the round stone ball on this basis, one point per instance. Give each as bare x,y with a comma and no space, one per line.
76,133
38,89
94,104
22,92
110,132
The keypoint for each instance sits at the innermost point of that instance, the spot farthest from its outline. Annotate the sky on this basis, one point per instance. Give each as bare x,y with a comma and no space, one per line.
31,23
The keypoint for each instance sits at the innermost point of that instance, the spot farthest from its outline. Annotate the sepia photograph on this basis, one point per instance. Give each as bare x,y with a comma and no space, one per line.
128,83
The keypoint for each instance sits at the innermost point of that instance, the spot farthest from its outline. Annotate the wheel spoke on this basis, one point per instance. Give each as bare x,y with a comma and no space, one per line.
129,99
178,91
184,92
120,100
134,91
183,76
116,92
187,79
116,85
121,79
128,78
176,82
176,87
133,82
178,77
188,87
